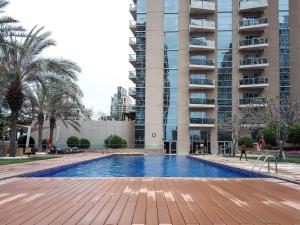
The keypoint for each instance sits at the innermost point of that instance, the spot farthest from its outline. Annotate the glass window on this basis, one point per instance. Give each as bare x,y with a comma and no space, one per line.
224,39
171,6
141,6
197,114
224,21
201,95
198,76
171,22
224,5
171,40
171,59
284,4
141,19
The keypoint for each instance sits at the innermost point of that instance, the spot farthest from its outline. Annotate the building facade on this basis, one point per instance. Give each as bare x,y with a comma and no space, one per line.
197,61
121,103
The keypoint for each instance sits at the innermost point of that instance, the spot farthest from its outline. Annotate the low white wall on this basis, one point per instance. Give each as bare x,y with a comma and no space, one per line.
95,131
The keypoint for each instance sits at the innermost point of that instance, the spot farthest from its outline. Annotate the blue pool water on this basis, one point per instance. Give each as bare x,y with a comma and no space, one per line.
146,166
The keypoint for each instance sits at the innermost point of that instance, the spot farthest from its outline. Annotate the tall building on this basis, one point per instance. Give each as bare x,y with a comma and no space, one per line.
197,61
121,103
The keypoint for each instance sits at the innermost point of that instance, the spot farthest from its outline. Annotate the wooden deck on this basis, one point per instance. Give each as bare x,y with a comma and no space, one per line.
128,201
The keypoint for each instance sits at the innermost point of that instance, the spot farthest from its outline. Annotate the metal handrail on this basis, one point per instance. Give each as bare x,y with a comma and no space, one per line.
267,157
257,160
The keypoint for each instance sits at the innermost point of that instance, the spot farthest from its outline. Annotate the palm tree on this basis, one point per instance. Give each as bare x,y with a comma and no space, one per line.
64,104
22,65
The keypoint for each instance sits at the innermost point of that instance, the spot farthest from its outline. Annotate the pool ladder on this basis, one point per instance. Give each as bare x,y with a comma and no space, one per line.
267,157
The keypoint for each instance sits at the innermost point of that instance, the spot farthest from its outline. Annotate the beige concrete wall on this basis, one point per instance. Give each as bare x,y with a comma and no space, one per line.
183,143
295,47
95,131
154,75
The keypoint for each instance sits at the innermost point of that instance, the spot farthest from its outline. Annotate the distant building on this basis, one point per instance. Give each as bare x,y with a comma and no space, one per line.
121,103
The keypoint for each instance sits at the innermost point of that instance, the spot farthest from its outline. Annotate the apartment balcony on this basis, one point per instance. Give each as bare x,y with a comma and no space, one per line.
253,24
132,43
132,26
200,45
202,64
203,103
252,102
132,59
132,92
202,123
253,6
254,83
132,10
196,84
202,25
253,63
132,76
202,7
254,44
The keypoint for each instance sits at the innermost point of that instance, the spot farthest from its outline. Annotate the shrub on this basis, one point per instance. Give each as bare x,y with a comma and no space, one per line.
106,141
269,135
73,142
294,134
22,141
115,141
44,144
246,140
84,143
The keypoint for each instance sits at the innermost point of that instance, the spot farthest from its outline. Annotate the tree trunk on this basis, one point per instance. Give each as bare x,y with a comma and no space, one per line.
13,133
52,126
40,136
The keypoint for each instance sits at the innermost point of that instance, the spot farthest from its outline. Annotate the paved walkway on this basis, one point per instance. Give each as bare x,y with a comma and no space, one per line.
7,171
126,201
290,171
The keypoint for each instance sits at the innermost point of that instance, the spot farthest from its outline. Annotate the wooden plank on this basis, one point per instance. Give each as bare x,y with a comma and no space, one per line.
139,217
162,208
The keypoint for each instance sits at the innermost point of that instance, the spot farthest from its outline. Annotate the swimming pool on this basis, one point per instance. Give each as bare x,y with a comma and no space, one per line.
146,166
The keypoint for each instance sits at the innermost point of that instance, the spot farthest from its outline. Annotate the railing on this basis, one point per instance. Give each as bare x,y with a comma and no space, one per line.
203,23
253,61
204,62
253,22
252,81
202,82
132,40
253,41
264,161
252,4
201,42
204,4
132,57
132,74
253,101
131,91
202,101
202,121
132,7
132,23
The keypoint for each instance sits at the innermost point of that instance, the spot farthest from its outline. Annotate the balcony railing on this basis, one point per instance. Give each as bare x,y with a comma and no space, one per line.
132,91
202,101
203,5
203,62
132,57
253,61
132,7
203,24
245,5
254,81
203,43
202,121
202,82
253,41
132,41
132,75
244,23
260,101
132,25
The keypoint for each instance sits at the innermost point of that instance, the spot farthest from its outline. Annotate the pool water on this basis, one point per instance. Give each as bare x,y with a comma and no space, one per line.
146,166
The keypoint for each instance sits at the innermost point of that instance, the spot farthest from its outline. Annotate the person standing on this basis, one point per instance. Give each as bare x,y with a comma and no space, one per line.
261,143
243,151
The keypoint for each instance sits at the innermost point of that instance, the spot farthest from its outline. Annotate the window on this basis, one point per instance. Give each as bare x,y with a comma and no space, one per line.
171,59
171,6
171,22
171,40
141,6
224,40
224,5
197,114
224,21
201,95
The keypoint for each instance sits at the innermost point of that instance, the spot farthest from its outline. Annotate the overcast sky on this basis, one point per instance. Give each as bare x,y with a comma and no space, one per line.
93,33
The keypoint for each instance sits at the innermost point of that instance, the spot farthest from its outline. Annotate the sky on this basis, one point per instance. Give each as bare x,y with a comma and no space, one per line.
92,33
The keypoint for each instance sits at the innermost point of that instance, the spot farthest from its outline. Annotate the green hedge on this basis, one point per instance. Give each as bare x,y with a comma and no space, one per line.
73,142
84,143
114,141
246,140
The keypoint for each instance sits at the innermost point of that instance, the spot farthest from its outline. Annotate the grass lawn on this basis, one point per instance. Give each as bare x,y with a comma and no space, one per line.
30,159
